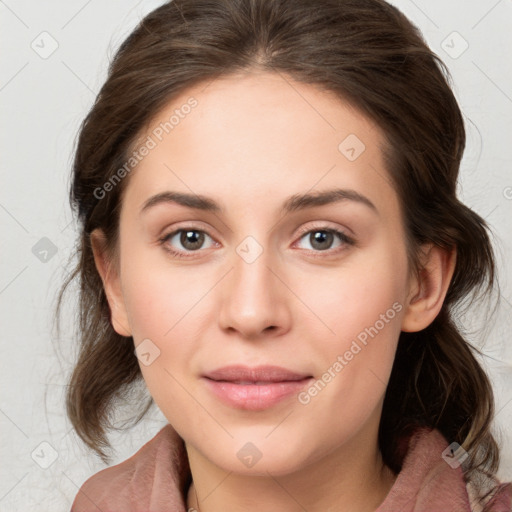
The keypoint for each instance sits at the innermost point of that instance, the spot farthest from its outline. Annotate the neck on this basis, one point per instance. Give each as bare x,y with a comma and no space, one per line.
351,478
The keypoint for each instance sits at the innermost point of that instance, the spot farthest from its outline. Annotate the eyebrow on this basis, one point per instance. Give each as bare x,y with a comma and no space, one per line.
292,204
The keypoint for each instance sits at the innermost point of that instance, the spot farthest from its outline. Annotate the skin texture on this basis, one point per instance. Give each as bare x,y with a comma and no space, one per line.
252,141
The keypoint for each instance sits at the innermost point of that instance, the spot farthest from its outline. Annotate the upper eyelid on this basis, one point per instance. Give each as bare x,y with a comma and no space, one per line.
319,226
302,231
323,226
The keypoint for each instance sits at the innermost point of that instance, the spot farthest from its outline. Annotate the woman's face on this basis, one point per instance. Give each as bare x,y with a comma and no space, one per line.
286,248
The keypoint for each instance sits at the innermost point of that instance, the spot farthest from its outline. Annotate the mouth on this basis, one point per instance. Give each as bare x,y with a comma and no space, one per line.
256,388
255,375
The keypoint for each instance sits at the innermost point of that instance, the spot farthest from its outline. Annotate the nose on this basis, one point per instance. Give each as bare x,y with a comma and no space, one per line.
254,298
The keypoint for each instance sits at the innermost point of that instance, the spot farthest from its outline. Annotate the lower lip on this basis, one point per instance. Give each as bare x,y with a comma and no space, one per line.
255,397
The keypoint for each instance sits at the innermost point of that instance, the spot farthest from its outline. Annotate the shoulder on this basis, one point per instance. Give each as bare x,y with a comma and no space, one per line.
151,479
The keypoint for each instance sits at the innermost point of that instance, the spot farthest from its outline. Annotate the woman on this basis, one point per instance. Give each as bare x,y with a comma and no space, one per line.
231,140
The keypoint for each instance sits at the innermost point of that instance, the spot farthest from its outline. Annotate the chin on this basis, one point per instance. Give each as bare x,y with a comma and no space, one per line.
258,455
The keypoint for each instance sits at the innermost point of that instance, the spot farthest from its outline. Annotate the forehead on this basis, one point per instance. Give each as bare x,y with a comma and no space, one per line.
254,134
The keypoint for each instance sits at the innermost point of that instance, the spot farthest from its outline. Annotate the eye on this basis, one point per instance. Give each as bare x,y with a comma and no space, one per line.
190,239
322,239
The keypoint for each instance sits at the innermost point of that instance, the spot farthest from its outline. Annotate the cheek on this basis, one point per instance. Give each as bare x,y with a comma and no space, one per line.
361,338
165,305
367,332
345,301
159,296
160,306
360,308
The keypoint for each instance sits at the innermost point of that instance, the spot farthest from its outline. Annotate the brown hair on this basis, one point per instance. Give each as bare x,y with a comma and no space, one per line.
369,54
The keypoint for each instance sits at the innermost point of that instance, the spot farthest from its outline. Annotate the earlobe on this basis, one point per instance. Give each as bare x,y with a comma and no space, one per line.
111,283
428,291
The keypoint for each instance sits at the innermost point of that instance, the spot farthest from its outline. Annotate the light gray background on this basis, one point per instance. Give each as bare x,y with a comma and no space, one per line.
43,99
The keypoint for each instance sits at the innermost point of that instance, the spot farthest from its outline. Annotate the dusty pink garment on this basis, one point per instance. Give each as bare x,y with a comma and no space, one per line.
156,478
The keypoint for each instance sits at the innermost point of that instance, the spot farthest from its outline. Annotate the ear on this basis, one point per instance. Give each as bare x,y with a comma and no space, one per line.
111,283
428,291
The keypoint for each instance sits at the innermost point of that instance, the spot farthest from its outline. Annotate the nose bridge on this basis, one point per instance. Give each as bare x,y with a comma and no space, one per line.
252,299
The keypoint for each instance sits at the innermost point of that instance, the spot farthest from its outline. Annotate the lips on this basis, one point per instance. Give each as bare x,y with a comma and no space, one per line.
257,375
254,389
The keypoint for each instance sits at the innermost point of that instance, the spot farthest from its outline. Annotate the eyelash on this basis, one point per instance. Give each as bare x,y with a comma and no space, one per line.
345,239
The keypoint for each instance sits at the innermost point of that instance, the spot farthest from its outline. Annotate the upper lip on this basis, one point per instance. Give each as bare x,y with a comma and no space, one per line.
264,373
